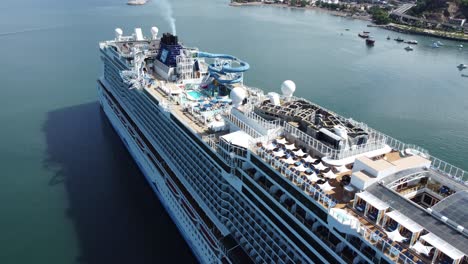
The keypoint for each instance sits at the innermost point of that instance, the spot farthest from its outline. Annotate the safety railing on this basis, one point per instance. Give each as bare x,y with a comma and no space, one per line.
262,121
242,125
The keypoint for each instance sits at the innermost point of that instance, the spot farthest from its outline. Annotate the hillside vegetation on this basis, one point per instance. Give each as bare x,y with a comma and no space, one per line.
440,10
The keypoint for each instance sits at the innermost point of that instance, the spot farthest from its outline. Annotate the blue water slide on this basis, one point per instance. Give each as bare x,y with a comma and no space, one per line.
218,70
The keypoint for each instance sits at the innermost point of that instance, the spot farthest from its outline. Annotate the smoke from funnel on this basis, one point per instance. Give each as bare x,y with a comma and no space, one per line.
166,11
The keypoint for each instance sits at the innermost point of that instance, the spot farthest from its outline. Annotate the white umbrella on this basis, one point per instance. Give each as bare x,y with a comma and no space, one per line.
396,236
313,177
289,161
290,147
279,153
326,187
281,141
422,249
342,169
330,175
270,146
310,159
301,168
299,153
320,166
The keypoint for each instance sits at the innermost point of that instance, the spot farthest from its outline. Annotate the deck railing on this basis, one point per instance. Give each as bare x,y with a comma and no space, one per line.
242,125
262,121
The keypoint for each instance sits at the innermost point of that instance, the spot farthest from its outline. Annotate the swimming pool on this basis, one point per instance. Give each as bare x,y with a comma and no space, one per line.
194,95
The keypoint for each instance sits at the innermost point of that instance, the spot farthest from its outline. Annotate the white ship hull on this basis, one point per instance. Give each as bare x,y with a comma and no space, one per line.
182,220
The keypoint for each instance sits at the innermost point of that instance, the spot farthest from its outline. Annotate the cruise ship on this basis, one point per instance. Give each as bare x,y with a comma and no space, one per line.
255,177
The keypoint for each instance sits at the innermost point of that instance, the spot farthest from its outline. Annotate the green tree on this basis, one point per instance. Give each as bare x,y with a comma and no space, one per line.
379,15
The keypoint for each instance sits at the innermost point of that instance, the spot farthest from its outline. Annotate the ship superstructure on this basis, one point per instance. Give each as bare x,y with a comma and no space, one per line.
272,178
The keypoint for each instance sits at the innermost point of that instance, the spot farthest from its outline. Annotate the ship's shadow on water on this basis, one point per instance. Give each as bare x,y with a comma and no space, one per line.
116,216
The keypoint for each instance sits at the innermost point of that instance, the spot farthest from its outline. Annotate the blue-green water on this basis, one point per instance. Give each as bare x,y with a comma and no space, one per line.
71,193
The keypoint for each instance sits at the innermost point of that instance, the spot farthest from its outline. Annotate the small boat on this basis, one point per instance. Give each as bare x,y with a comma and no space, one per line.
347,29
370,41
409,48
440,43
435,45
363,35
413,42
366,32
464,75
462,66
388,37
137,2
460,46
399,39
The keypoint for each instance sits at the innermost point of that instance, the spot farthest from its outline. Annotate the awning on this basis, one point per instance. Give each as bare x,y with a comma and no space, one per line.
443,246
289,161
405,221
279,153
396,236
342,169
270,146
281,141
330,175
238,138
313,177
301,168
291,146
310,159
372,200
326,187
422,249
320,166
299,153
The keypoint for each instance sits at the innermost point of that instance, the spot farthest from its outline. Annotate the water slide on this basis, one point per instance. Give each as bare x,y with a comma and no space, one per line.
223,70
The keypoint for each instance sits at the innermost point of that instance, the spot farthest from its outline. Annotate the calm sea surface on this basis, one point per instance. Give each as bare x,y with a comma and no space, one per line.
70,191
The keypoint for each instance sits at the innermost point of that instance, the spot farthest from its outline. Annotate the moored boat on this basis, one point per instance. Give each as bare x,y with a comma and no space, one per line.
370,41
399,39
363,35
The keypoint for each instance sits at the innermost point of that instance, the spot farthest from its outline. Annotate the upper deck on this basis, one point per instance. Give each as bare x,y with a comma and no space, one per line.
368,182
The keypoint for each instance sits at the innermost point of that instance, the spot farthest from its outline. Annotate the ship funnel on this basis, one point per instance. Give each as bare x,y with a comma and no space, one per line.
154,32
118,34
288,88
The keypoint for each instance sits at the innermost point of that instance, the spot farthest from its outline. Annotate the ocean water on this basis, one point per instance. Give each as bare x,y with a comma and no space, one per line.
72,194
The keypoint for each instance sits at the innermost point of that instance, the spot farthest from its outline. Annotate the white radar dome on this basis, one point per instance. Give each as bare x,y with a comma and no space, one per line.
288,88
154,32
118,33
238,94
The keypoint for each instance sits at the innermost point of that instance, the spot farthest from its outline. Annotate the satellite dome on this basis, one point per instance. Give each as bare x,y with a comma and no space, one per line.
288,88
154,32
118,33
238,95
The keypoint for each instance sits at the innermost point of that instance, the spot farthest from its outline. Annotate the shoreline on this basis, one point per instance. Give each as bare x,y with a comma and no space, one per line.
391,27
424,32
325,10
